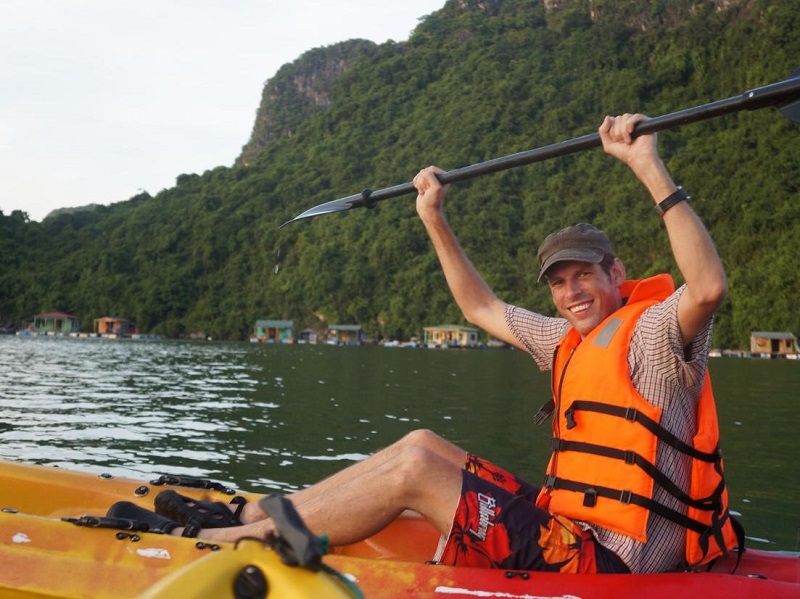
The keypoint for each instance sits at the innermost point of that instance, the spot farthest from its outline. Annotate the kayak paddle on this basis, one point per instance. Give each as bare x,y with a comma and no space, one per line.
785,95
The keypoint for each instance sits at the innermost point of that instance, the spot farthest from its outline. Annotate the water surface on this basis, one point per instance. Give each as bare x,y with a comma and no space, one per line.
277,417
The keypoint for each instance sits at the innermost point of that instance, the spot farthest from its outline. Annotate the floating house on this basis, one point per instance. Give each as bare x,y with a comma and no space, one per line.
273,331
308,336
451,335
56,323
110,326
773,343
345,334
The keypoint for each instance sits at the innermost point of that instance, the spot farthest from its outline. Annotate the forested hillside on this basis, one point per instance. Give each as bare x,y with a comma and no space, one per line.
476,80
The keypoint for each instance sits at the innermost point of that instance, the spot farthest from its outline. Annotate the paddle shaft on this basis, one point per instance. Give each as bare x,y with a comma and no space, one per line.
783,93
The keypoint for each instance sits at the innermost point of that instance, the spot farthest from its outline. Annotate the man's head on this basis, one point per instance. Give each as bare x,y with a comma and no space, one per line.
578,243
583,274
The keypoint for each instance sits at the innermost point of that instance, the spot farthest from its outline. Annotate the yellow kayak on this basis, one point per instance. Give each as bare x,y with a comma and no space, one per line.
47,550
44,553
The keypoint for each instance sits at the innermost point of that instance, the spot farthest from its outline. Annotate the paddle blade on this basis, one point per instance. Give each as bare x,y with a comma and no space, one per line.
791,108
791,111
339,205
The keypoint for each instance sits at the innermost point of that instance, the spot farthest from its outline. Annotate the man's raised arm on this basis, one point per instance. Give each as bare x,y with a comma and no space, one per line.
477,301
692,247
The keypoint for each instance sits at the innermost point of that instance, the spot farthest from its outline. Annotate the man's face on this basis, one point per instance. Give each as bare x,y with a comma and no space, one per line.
584,293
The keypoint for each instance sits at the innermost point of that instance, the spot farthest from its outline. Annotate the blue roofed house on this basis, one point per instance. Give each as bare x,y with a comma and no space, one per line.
56,323
273,331
345,334
774,343
451,335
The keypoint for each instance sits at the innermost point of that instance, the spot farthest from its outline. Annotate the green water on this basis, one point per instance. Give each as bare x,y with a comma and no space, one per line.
280,417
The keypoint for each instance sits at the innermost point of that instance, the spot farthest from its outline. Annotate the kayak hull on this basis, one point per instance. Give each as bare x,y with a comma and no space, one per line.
43,555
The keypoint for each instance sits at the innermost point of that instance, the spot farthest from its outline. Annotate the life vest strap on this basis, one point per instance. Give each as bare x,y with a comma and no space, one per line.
705,531
592,492
716,531
711,503
633,415
544,412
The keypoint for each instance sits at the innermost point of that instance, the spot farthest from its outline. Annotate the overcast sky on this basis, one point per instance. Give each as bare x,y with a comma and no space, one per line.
100,99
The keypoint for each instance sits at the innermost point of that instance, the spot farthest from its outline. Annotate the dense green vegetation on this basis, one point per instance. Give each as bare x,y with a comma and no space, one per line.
476,80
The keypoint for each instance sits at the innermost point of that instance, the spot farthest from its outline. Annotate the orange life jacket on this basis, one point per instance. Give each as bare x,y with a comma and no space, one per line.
605,436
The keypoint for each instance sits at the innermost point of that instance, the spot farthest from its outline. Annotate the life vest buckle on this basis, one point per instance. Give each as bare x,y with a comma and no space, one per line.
630,457
630,414
549,481
544,412
590,497
569,414
625,496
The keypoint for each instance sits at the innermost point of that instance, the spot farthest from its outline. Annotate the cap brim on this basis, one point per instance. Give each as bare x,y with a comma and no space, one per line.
571,255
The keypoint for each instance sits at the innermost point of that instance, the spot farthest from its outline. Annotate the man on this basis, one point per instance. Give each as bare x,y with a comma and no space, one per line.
625,482
665,360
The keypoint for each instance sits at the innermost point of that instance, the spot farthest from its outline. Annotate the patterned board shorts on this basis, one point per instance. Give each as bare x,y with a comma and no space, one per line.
497,525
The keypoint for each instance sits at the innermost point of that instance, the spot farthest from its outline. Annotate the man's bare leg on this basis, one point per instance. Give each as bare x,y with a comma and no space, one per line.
422,438
362,503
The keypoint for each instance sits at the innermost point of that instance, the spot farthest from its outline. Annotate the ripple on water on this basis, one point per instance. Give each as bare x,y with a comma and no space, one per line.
90,400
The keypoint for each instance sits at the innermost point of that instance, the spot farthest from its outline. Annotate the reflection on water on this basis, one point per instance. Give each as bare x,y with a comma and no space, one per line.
119,404
280,417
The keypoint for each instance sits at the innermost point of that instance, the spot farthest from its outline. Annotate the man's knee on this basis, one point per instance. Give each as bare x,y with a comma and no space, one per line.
421,437
415,463
428,483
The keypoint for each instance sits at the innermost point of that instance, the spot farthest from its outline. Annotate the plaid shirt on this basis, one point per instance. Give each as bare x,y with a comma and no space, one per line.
667,376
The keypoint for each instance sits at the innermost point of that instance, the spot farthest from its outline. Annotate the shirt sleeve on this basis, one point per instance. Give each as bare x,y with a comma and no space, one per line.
657,353
538,334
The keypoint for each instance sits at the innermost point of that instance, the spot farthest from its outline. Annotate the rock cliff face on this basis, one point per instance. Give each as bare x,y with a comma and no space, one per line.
297,91
303,88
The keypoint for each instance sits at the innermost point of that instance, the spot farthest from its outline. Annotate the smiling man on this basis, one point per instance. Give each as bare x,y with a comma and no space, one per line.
583,274
635,467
